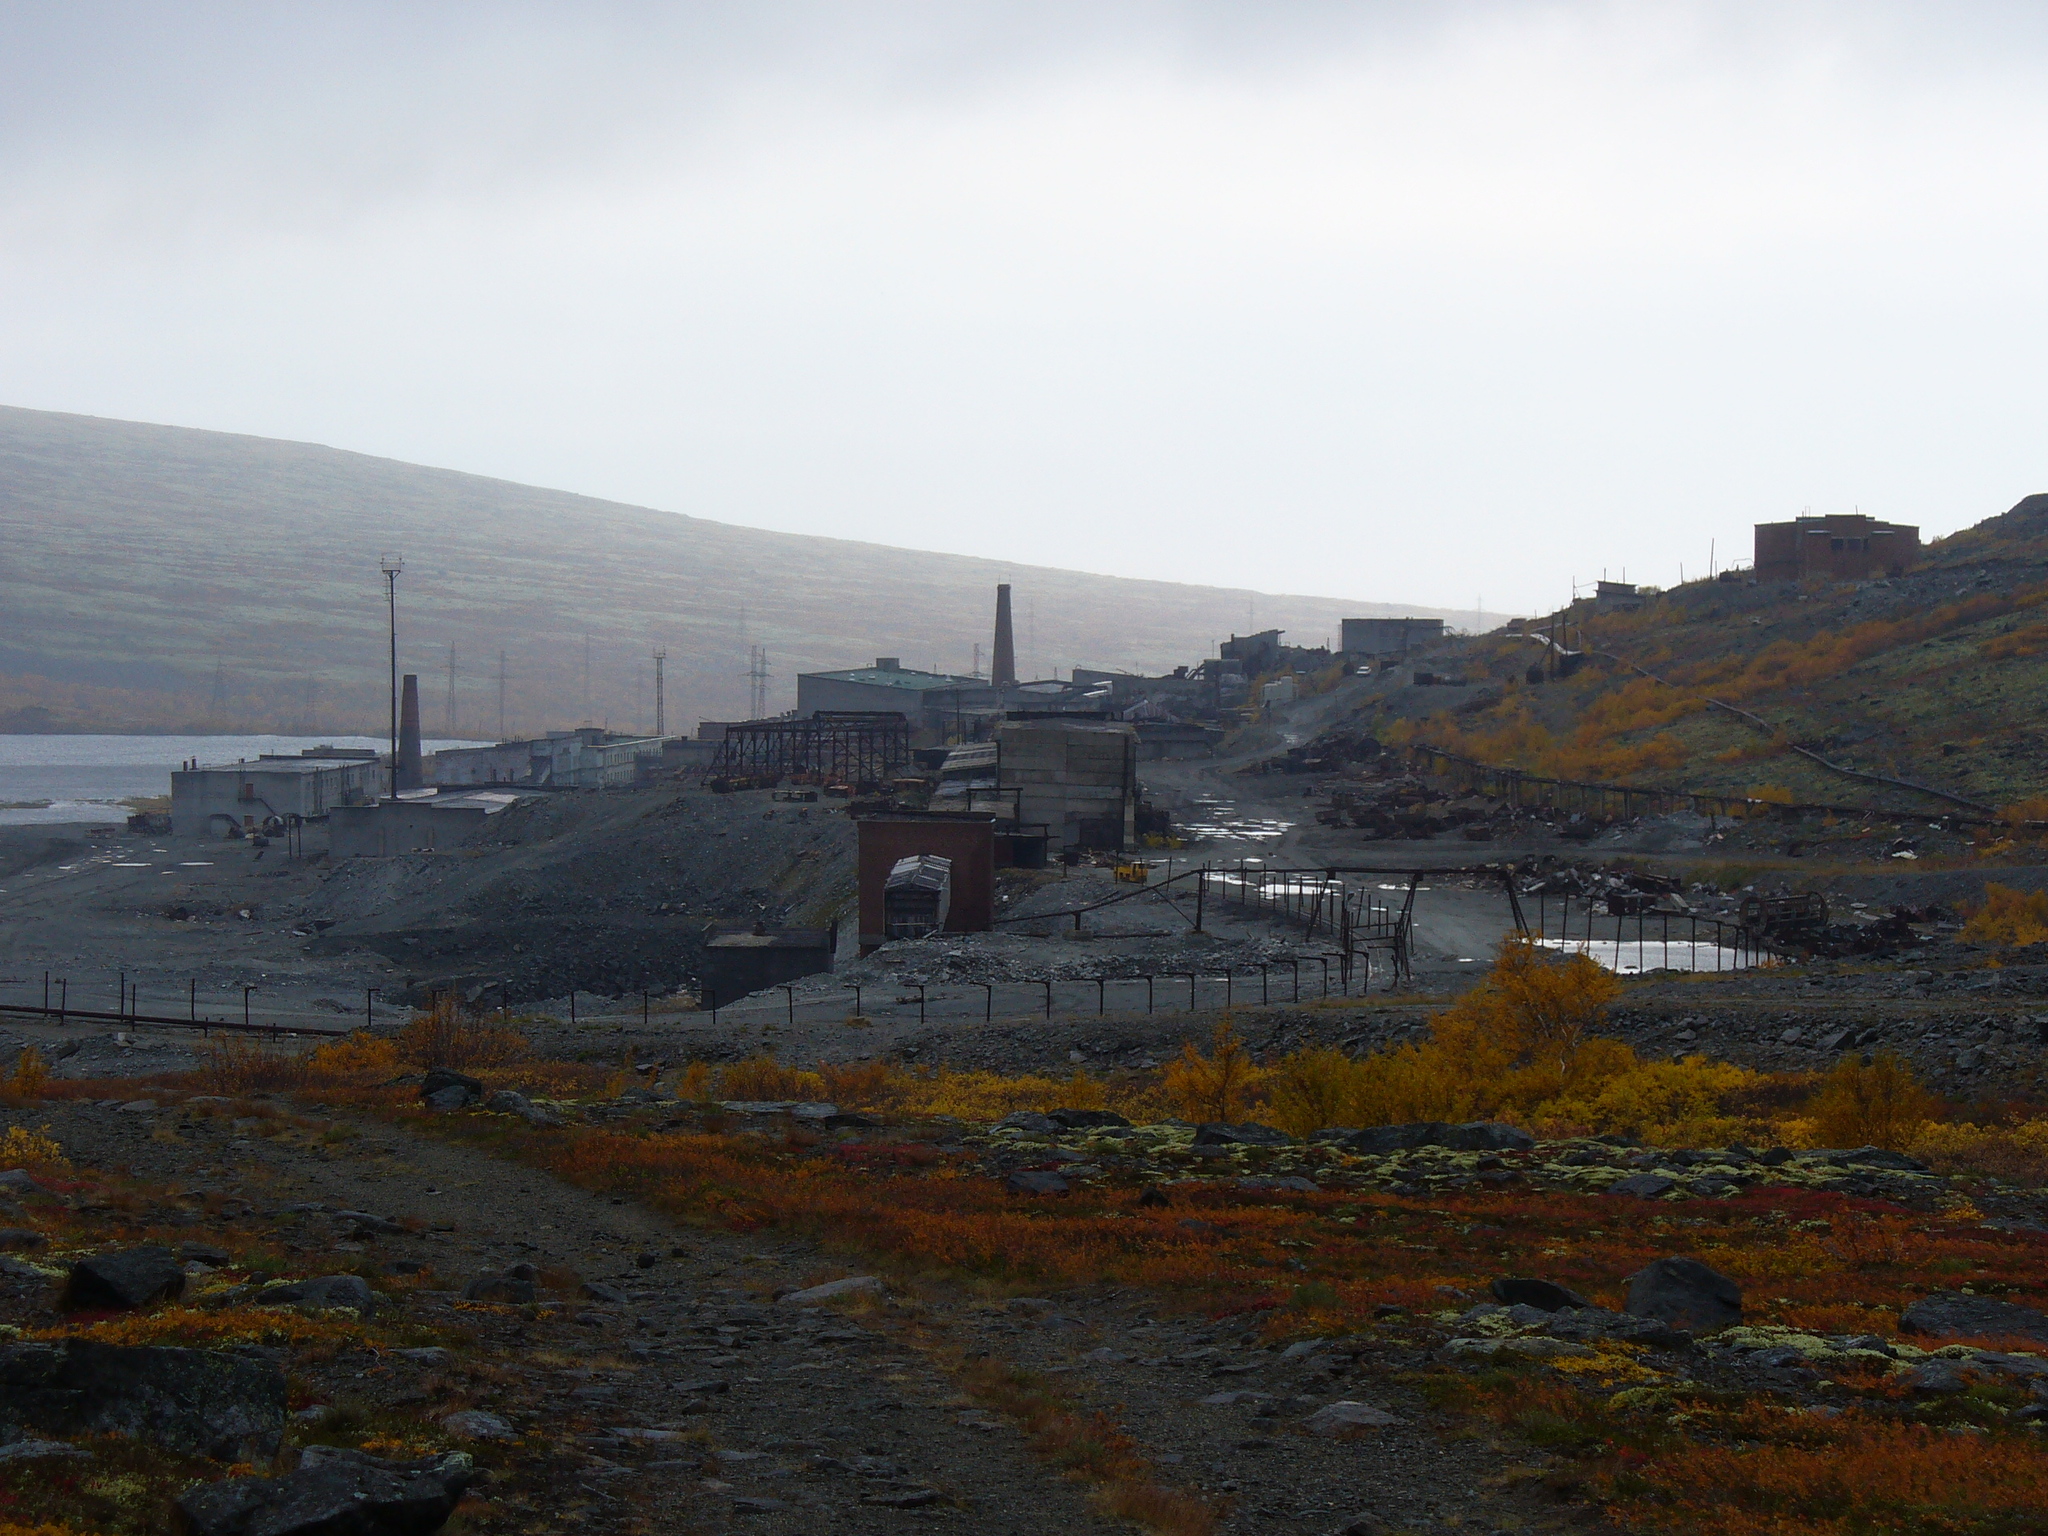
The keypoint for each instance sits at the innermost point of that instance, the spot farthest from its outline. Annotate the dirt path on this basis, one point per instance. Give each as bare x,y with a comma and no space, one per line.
803,1419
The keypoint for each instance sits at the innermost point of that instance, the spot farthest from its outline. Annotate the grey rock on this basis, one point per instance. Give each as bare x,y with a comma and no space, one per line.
333,1493
1469,1136
1035,1184
759,1506
323,1291
914,1498
1341,1419
1643,1186
199,1402
440,1080
204,1253
1544,1295
364,1222
853,1285
1029,1120
426,1355
1937,1378
1590,1323
505,1101
1218,1133
1289,1181
1086,1119
507,1289
1950,1314
124,1280
453,1097
1363,1525
17,1182
1685,1294
610,1295
20,1239
475,1424
41,1450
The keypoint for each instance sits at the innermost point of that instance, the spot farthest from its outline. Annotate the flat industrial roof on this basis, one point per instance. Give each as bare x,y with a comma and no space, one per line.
902,678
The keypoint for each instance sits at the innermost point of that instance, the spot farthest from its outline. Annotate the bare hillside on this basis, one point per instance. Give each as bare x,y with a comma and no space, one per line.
159,577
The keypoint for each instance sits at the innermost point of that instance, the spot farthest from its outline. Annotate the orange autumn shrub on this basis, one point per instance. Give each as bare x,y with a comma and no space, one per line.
2009,917
764,1079
448,1035
2017,1153
30,1076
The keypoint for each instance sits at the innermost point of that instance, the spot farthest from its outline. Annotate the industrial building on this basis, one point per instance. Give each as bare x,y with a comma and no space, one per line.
418,821
1844,546
586,758
742,959
213,799
1077,778
1388,637
887,685
966,841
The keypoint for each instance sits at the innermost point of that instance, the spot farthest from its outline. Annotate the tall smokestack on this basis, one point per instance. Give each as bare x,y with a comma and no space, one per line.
1002,667
409,734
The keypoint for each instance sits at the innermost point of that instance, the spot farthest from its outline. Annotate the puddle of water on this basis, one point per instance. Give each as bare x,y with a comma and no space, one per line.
1219,818
1629,959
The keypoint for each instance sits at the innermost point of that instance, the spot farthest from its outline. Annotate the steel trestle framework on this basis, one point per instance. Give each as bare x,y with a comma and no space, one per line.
845,747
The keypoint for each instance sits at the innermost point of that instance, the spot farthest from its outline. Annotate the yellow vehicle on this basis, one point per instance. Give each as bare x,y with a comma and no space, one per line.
1134,874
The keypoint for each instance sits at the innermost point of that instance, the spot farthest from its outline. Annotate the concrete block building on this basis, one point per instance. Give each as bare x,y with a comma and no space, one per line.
1077,778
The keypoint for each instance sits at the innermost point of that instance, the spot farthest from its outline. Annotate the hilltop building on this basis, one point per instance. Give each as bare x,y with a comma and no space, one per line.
1388,637
1844,546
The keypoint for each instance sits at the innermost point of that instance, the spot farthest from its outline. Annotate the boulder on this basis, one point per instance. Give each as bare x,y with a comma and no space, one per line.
1340,1420
440,1080
1544,1295
334,1492
507,1289
1035,1184
1685,1294
1085,1119
1952,1315
1469,1136
452,1097
350,1291
42,1450
124,1280
1590,1323
17,1182
1218,1133
610,1295
475,1424
1029,1121
20,1239
1643,1186
853,1285
507,1102
197,1402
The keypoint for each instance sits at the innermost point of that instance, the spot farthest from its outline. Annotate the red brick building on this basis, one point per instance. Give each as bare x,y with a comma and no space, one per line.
968,838
1844,546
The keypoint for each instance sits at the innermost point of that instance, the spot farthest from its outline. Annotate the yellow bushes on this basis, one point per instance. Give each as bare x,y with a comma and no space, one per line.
2018,1153
2009,917
763,1078
37,1151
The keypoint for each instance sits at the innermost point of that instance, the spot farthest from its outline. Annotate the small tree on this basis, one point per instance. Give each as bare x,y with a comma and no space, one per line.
1211,1087
1871,1103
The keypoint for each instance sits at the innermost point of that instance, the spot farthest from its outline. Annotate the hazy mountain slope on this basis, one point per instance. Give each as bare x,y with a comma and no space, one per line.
1939,677
150,570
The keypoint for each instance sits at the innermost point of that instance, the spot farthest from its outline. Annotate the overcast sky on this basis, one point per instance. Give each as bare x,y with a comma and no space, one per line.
1422,302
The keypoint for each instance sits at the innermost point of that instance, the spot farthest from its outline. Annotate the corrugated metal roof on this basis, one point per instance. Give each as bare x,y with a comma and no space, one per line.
917,682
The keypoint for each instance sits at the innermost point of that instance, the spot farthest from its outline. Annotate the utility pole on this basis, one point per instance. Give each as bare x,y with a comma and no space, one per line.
660,715
391,565
501,695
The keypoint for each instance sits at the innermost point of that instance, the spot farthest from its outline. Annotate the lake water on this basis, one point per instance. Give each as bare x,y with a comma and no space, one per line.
87,778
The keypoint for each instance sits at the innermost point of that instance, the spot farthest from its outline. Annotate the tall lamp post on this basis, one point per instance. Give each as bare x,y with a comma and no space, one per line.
391,565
